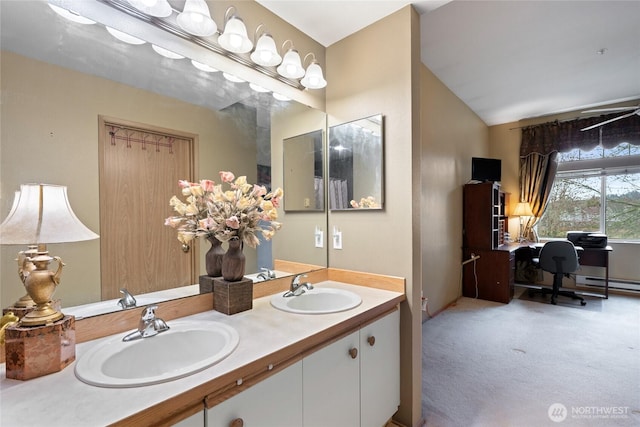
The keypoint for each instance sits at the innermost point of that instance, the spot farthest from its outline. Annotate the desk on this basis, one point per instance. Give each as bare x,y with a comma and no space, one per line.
598,257
592,257
492,276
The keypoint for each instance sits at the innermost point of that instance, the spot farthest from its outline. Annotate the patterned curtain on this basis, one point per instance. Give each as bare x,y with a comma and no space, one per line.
566,136
537,173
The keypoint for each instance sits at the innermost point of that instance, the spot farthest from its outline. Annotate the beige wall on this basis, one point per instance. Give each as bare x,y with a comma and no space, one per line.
505,144
50,134
371,72
451,135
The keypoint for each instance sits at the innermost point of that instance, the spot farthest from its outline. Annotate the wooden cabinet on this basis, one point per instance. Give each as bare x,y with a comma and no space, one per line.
490,277
356,380
484,216
273,402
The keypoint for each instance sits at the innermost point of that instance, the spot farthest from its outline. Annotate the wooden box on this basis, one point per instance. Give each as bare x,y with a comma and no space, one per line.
206,284
32,352
232,297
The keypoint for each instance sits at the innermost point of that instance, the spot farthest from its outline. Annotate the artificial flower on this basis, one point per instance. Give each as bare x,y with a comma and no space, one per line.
241,212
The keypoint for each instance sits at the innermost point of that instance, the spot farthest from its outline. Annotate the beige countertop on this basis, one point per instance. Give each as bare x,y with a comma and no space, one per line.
267,337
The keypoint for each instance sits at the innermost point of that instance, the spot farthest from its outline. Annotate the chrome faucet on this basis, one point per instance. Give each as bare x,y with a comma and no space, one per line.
148,326
298,288
127,301
266,274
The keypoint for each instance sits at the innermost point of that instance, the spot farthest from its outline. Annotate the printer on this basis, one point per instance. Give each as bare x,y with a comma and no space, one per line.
587,239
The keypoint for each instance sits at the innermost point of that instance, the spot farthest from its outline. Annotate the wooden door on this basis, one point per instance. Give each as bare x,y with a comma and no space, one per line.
140,166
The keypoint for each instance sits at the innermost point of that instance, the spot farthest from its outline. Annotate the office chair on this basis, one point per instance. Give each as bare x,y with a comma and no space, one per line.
560,258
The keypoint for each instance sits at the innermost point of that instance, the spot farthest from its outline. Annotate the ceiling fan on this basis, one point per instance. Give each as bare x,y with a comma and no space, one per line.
634,110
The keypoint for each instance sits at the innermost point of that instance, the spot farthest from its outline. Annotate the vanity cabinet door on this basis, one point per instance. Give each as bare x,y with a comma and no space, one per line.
380,370
331,386
195,420
274,402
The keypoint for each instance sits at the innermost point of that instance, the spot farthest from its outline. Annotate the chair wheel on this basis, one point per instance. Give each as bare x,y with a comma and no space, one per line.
553,302
583,303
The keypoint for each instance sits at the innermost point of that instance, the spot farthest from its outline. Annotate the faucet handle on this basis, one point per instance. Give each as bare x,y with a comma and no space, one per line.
270,273
127,301
296,279
149,312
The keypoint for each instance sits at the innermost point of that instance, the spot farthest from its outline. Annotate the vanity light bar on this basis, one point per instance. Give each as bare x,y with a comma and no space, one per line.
172,28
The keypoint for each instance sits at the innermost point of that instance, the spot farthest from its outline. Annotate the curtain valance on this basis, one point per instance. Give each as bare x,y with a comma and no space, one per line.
565,136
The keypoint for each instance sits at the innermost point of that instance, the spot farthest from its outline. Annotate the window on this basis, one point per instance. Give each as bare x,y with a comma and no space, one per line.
598,190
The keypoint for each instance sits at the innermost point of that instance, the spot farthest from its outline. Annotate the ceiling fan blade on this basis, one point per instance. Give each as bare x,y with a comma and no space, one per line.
624,116
611,110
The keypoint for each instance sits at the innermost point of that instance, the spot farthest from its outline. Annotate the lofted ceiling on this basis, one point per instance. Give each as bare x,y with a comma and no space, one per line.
506,60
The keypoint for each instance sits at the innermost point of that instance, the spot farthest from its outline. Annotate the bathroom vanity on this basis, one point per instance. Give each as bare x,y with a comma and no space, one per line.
288,369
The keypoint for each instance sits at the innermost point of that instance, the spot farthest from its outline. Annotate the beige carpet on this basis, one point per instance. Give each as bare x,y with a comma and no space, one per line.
531,363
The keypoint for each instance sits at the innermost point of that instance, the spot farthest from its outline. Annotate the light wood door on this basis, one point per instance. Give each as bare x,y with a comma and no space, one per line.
140,167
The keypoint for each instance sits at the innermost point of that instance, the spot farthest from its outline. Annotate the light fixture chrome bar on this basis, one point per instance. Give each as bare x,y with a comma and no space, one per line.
163,24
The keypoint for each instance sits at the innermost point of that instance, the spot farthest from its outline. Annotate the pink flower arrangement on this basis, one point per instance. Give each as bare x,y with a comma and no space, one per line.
365,203
240,212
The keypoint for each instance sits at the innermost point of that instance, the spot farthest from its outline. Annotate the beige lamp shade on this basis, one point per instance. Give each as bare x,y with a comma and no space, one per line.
523,209
41,213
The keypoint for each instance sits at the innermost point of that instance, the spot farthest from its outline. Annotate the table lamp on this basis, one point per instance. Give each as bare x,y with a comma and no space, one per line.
41,214
523,209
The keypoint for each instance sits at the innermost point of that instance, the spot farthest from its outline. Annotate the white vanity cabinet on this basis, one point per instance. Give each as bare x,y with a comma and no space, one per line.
331,384
355,381
273,402
195,420
380,370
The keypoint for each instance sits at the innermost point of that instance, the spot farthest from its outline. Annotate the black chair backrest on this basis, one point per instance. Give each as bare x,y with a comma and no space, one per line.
559,257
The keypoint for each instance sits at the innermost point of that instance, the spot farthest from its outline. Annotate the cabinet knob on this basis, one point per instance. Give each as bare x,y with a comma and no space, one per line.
371,340
236,423
353,353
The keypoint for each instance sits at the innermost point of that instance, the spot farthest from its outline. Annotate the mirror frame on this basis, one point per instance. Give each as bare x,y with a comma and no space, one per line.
372,162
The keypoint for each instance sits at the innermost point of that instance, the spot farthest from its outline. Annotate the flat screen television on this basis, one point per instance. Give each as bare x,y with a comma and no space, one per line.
486,169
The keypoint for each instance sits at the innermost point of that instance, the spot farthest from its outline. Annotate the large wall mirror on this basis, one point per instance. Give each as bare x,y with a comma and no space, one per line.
356,164
60,77
304,172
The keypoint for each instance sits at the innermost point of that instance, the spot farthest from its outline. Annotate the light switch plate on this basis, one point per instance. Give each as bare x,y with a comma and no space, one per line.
319,238
337,239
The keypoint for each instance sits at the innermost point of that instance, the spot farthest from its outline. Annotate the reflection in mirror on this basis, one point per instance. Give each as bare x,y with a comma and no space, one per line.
59,77
304,172
356,164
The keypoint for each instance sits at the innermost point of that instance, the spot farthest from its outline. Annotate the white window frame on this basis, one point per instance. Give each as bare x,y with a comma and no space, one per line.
607,166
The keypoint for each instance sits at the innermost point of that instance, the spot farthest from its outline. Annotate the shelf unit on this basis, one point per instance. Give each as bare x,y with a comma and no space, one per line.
485,221
484,211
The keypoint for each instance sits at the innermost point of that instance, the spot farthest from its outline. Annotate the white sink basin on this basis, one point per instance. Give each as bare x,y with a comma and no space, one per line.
317,301
187,347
